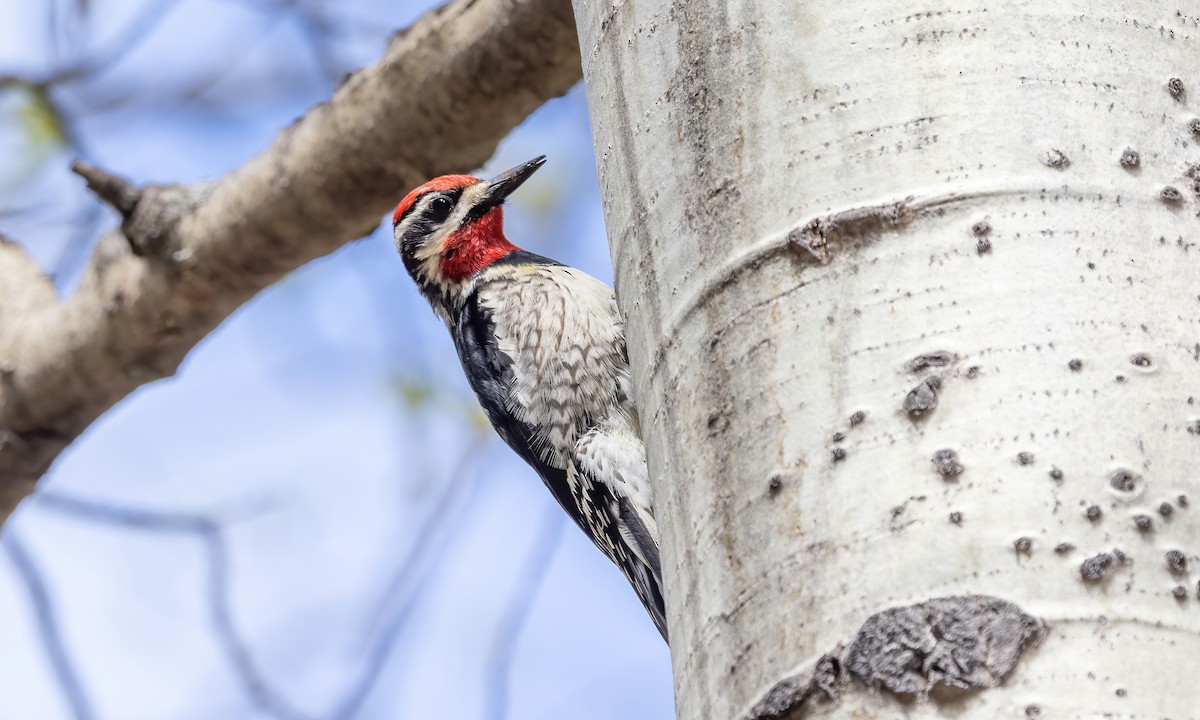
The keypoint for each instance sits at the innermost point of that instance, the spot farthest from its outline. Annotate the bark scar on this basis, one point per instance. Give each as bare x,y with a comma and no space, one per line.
816,236
966,642
963,643
788,695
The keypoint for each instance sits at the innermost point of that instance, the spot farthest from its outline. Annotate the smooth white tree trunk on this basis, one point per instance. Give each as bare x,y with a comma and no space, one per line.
910,288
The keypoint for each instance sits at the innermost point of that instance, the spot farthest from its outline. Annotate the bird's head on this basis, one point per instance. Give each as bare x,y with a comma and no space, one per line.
452,227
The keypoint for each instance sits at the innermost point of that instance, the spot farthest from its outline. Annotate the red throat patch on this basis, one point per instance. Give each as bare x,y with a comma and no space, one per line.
474,246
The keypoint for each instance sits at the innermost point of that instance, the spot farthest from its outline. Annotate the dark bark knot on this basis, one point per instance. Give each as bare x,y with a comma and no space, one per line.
1054,158
149,215
935,359
1096,567
819,236
1141,360
960,643
1176,88
1176,562
1125,481
945,462
924,397
787,697
967,642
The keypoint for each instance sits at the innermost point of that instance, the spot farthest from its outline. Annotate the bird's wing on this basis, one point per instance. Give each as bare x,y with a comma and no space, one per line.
475,340
609,482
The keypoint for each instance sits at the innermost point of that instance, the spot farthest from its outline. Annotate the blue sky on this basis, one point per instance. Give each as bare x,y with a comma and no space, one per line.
320,426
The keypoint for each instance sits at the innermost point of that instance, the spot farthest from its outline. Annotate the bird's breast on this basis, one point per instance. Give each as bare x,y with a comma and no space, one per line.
562,332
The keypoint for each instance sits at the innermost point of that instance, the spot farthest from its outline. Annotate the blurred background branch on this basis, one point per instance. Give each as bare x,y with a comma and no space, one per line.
520,605
208,530
411,573
47,623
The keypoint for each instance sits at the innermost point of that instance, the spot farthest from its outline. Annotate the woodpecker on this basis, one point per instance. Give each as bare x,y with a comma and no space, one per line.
543,348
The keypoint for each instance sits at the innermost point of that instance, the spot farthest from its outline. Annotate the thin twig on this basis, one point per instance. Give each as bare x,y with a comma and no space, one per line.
48,629
237,650
193,90
410,576
321,16
412,573
220,595
115,190
125,41
152,520
512,624
404,577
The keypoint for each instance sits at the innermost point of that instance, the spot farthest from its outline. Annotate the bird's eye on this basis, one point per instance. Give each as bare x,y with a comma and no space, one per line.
439,208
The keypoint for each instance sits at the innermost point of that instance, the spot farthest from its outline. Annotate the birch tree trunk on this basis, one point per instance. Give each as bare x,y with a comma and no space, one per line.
914,318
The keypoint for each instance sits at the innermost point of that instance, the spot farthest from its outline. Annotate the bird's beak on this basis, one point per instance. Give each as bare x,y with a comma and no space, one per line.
506,182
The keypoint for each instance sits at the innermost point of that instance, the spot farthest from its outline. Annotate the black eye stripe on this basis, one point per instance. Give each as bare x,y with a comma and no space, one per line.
454,194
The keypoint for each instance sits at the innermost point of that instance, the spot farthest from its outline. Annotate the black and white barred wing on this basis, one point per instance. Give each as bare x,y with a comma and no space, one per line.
610,485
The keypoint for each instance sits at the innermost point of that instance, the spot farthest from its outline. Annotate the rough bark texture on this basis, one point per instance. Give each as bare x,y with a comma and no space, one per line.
444,94
909,288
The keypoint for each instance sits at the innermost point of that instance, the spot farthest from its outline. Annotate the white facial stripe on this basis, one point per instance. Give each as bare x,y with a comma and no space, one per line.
425,244
432,244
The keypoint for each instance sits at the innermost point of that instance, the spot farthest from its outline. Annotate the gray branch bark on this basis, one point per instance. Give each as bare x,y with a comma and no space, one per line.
446,91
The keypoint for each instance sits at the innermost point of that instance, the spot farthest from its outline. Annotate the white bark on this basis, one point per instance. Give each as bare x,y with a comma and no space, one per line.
816,208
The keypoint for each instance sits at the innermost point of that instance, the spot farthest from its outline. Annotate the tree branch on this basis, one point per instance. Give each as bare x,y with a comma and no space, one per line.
210,531
444,94
26,290
48,629
512,624
209,527
410,577
112,189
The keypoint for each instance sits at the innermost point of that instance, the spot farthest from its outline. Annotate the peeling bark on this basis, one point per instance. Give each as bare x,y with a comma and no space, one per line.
444,94
810,207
